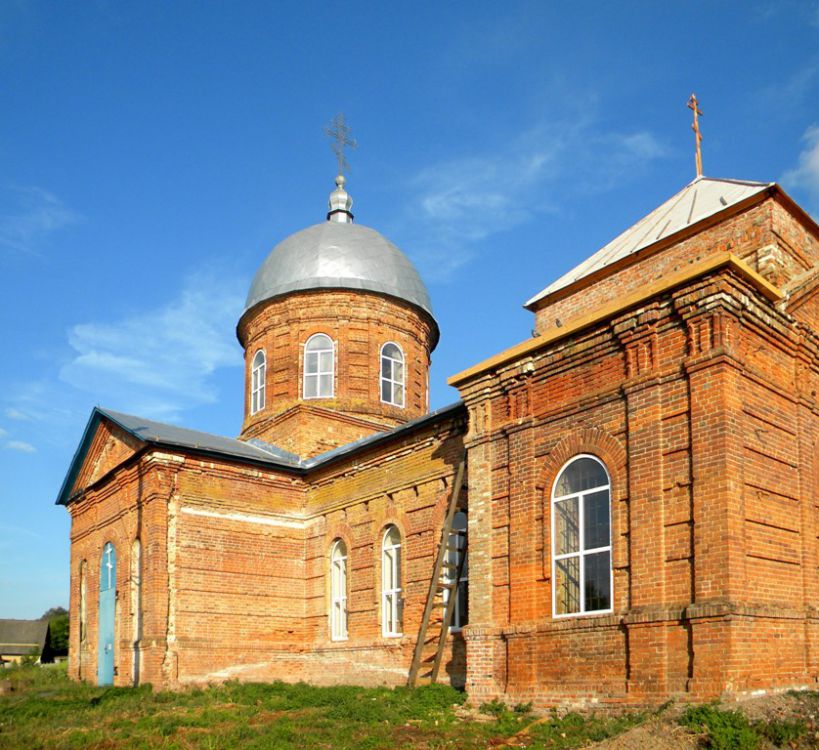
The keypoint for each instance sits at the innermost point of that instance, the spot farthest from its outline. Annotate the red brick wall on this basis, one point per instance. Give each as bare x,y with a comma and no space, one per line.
359,323
766,236
704,414
235,563
130,504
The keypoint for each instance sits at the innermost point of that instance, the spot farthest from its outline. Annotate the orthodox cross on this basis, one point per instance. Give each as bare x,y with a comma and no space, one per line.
339,134
694,107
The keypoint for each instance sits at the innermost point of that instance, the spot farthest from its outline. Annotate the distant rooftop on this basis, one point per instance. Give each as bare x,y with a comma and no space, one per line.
700,199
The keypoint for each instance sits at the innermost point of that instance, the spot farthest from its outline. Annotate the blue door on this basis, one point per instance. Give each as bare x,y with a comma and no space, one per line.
108,596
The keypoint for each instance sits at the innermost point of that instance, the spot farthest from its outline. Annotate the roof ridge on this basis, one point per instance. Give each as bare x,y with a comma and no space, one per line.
710,196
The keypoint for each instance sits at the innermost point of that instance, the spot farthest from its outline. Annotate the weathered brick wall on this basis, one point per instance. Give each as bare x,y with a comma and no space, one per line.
698,405
131,504
407,484
234,566
359,323
766,236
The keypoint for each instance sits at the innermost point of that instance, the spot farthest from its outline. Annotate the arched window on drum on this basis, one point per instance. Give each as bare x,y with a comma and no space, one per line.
257,382
392,374
319,367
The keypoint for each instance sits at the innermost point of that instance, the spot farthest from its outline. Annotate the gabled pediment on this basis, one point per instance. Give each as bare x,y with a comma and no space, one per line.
104,446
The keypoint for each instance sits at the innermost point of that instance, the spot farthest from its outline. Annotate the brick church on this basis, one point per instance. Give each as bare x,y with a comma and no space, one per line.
636,483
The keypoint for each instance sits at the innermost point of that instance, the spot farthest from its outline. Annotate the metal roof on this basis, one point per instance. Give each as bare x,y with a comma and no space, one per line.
338,255
21,637
255,451
168,434
700,199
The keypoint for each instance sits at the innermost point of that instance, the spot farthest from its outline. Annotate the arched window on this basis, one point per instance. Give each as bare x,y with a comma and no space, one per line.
391,603
338,591
456,559
257,382
392,374
581,539
319,368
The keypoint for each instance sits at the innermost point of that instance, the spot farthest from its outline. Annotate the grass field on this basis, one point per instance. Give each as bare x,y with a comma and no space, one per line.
46,710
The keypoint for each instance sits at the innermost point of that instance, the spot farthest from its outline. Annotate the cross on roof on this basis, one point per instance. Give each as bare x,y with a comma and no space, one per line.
694,107
339,133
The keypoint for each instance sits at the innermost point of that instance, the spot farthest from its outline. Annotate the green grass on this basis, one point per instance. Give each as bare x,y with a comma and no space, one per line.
731,730
46,710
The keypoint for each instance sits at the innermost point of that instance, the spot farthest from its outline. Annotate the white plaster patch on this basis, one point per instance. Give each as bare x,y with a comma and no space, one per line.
247,518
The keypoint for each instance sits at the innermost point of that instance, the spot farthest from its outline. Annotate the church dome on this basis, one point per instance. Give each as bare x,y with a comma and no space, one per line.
338,255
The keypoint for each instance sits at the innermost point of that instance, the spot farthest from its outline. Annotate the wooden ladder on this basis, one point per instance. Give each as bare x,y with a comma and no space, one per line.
438,585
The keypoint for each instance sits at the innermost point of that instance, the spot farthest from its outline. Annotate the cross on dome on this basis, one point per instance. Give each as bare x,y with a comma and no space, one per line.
339,133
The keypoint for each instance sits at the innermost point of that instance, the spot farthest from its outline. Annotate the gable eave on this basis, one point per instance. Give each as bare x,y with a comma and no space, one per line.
771,190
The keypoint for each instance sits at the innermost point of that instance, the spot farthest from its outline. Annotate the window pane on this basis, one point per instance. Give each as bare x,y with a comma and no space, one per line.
389,573
311,362
326,361
567,586
326,385
598,581
582,474
391,350
463,605
310,386
386,367
319,342
398,394
567,519
596,520
386,390
398,372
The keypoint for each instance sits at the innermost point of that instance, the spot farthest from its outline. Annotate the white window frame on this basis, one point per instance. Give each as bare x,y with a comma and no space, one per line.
258,377
319,372
391,379
461,541
392,620
581,553
338,591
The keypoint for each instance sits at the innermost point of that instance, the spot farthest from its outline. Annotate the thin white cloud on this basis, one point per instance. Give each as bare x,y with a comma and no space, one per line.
17,414
19,445
3,433
160,362
34,214
805,175
464,201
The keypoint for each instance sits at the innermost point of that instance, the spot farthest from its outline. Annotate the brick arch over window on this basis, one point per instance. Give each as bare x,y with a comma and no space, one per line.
606,447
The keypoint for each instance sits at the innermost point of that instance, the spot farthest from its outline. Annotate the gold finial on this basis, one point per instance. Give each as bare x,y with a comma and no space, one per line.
694,107
339,133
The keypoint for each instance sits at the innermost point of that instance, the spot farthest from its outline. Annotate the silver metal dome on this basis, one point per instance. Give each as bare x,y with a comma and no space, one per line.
338,255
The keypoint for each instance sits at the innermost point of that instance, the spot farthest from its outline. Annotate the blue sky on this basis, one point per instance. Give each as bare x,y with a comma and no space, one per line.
151,155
